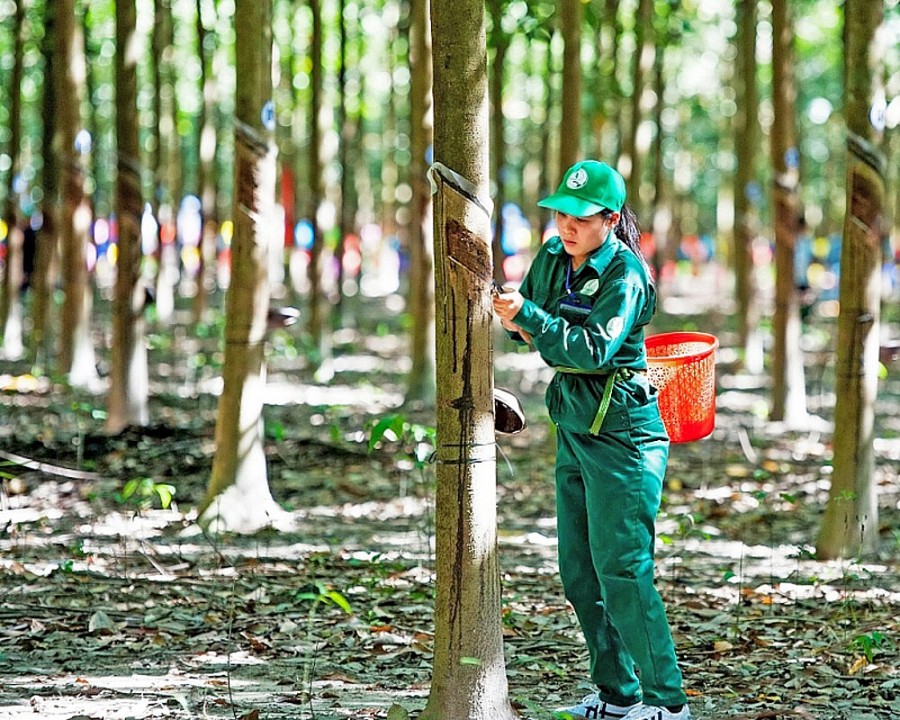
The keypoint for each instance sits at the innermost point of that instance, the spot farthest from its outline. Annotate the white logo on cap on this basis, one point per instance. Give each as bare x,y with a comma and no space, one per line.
577,179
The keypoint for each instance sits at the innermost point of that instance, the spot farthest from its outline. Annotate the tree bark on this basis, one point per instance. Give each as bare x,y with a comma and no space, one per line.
347,211
206,177
498,145
662,203
238,497
644,59
319,304
167,166
76,351
469,675
850,525
48,239
746,133
612,21
570,16
129,380
789,380
421,384
548,178
13,275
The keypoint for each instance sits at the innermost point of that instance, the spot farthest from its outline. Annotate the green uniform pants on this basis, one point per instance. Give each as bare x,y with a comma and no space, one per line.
608,490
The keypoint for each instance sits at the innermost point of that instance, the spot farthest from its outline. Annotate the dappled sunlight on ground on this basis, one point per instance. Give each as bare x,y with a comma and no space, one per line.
114,608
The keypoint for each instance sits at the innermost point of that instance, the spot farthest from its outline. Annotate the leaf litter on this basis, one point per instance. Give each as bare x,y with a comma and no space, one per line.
118,610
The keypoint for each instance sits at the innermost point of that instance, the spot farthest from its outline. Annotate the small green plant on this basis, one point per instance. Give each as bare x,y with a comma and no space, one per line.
418,441
317,595
868,644
141,493
85,414
274,430
803,553
322,595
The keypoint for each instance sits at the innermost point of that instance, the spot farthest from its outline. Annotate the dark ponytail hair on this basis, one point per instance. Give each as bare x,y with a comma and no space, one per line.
629,232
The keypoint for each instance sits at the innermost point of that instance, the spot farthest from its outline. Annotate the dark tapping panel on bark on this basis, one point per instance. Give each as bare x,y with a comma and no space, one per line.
468,250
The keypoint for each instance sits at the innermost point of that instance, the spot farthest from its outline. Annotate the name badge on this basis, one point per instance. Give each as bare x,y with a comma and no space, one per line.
574,308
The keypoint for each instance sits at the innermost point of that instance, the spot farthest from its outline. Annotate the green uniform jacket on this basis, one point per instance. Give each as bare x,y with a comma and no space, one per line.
594,326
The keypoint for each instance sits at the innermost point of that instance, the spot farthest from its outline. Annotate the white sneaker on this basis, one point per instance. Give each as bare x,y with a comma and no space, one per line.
593,708
652,712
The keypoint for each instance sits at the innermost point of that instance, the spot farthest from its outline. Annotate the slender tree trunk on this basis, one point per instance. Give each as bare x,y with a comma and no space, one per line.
421,387
48,239
167,168
606,89
850,525
643,64
76,352
98,165
469,675
238,496
789,381
570,17
548,178
286,140
746,141
662,205
498,145
206,182
342,122
614,21
12,315
318,301
129,381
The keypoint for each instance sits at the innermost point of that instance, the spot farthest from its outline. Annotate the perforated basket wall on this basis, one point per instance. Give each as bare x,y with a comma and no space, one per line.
682,366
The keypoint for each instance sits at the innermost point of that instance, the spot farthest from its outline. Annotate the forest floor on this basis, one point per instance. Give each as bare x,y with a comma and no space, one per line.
113,608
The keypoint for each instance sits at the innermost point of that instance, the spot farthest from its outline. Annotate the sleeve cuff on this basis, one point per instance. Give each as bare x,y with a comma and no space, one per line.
531,318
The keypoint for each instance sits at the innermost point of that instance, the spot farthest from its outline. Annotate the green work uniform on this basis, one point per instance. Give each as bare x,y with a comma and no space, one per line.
588,323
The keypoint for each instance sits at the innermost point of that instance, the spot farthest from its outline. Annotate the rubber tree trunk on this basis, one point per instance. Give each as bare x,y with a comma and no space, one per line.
469,673
613,22
238,497
662,205
850,525
746,138
548,178
498,145
319,303
421,387
789,379
570,17
166,166
48,238
76,348
347,209
13,275
644,59
129,381
206,159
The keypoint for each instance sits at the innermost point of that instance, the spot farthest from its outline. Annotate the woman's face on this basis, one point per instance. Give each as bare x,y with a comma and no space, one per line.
581,236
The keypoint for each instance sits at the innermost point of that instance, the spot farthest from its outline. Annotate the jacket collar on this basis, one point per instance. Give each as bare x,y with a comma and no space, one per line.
598,260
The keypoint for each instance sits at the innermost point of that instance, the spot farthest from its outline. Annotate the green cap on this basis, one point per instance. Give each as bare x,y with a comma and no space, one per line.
587,188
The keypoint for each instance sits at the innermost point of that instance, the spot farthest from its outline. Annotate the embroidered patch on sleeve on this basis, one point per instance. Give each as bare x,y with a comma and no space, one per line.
614,326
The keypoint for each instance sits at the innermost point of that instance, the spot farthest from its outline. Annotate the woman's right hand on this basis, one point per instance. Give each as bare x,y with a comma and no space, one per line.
507,305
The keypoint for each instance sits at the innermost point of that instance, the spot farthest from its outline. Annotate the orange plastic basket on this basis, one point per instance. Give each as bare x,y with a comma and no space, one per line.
682,365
